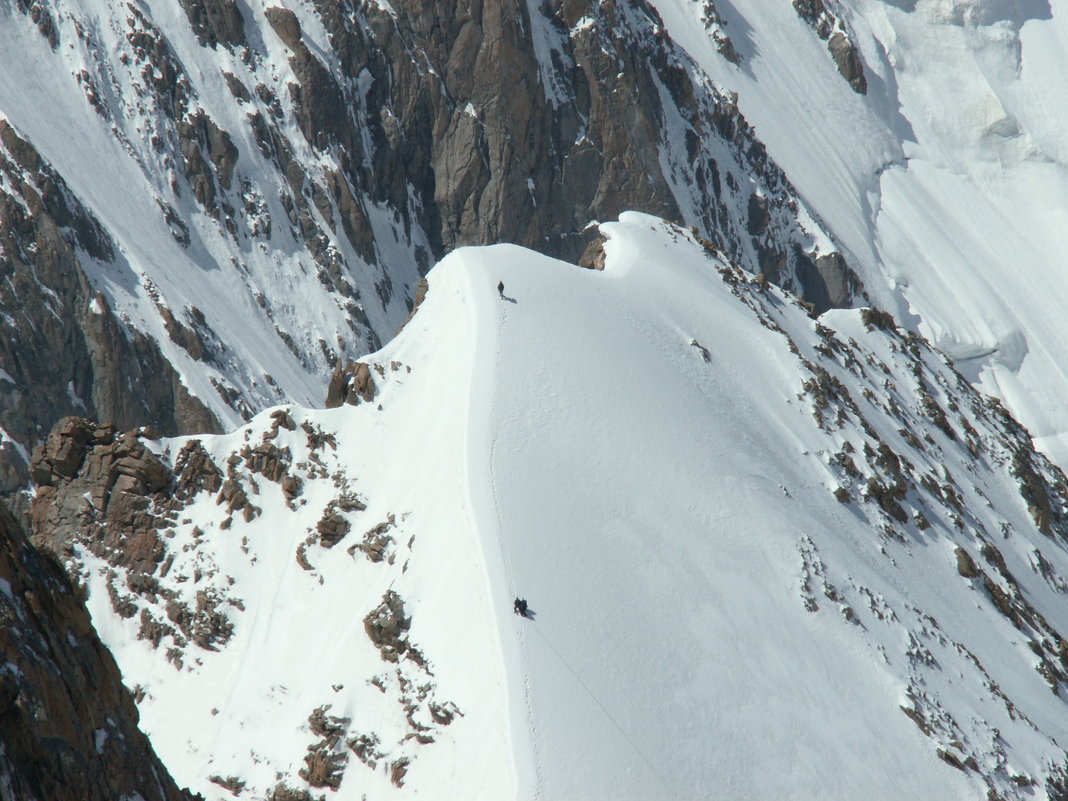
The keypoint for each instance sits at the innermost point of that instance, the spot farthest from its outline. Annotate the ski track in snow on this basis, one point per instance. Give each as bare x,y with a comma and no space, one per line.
487,305
480,460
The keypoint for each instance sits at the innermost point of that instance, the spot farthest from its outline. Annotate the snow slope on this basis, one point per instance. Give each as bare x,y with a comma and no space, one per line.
767,557
273,321
946,184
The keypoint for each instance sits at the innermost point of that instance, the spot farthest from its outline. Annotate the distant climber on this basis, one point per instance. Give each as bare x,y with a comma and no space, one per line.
520,607
500,288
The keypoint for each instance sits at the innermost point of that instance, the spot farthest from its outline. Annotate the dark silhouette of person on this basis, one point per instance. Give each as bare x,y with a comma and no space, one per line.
500,288
520,607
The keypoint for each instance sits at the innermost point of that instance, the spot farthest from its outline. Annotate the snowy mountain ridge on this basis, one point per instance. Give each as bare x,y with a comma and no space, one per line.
769,555
822,539
269,183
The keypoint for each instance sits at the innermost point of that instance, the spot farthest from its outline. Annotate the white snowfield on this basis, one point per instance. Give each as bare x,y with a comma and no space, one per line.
649,455
946,185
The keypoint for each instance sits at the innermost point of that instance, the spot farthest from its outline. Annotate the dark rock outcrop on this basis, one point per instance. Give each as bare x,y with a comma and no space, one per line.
108,493
387,627
332,528
829,25
351,383
88,474
62,349
216,22
67,724
847,59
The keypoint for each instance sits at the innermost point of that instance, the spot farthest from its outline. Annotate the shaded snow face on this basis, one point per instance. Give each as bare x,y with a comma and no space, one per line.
746,537
944,184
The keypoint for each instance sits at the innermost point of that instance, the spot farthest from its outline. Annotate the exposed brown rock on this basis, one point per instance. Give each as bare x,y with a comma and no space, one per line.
965,564
324,763
231,783
365,746
195,472
387,627
112,495
399,770
283,792
237,88
1034,490
281,418
875,318
232,493
351,384
593,257
216,22
332,528
291,486
67,723
421,288
268,460
285,24
832,30
848,61
87,474
376,541
323,768
182,335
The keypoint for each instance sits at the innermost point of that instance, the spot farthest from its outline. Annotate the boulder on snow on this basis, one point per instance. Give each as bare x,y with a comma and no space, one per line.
847,59
350,384
593,257
332,528
285,24
387,627
965,564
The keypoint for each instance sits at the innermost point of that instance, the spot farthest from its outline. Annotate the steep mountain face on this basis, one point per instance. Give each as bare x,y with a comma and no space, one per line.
63,350
765,555
237,198
943,184
208,208
68,726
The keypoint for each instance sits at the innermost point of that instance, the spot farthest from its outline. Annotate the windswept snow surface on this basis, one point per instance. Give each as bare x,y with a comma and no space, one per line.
946,184
649,455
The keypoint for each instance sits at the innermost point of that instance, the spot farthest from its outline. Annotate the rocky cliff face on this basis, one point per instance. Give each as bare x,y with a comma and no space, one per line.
63,350
276,180
67,724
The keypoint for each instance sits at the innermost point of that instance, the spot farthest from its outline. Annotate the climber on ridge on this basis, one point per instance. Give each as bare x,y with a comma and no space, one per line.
520,607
